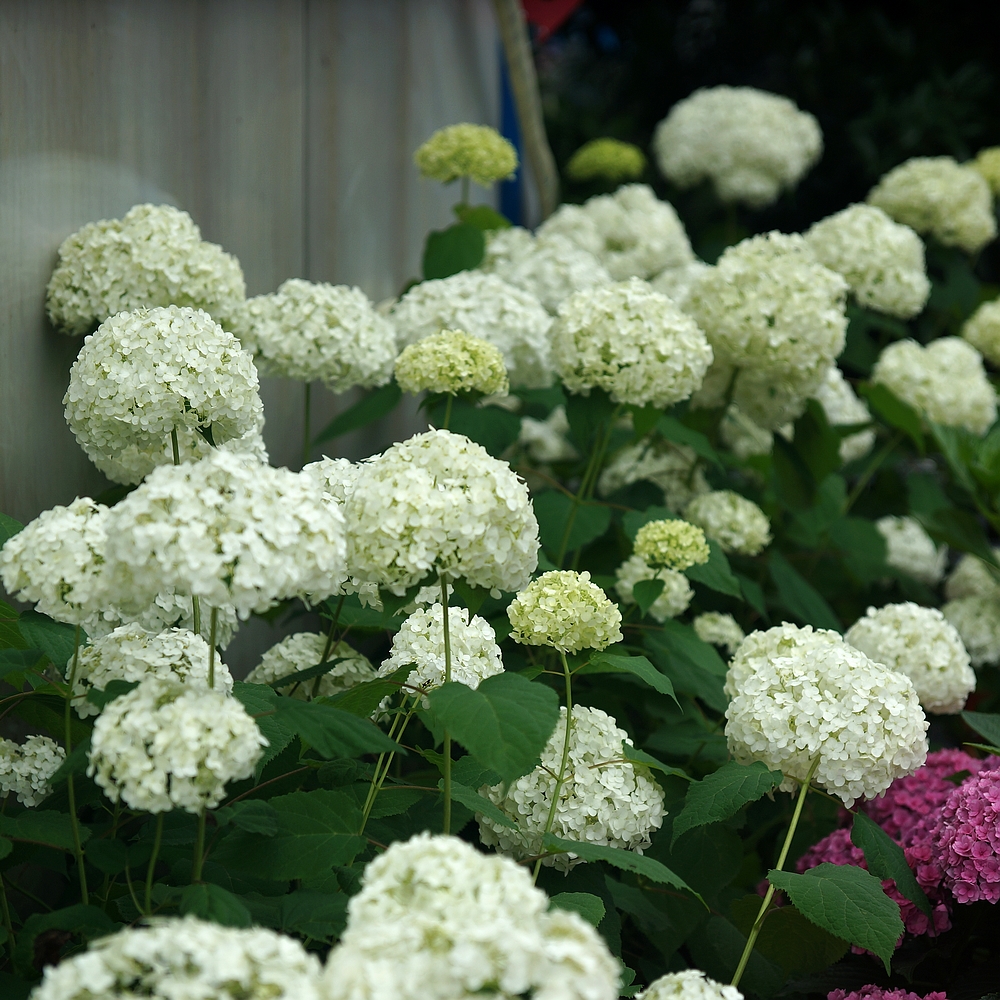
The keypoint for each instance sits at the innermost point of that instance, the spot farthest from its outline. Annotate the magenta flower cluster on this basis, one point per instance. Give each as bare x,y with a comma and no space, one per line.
878,993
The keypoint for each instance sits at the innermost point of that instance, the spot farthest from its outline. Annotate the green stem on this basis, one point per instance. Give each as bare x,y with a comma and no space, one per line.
212,629
762,913
152,862
333,630
196,614
447,412
873,467
173,442
70,789
446,825
465,190
199,849
306,415
8,926
381,773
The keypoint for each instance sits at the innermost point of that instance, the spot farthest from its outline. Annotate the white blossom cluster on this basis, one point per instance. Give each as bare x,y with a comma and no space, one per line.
920,643
228,531
972,578
147,373
944,380
771,310
166,745
735,522
911,550
550,267
800,695
130,653
154,256
465,150
843,408
630,341
334,476
303,650
475,654
565,610
605,799
631,232
672,467
27,768
676,282
936,195
438,920
982,330
184,958
309,331
720,630
881,260
487,307
689,984
974,608
673,543
742,436
545,440
440,502
452,361
672,601
751,144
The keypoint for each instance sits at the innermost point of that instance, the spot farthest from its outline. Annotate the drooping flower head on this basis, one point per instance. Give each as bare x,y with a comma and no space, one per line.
27,768
982,330
673,543
303,650
608,160
475,151
452,361
672,601
911,550
720,630
689,984
843,408
737,524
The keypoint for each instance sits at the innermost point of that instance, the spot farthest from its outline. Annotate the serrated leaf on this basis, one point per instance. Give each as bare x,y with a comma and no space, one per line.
589,906
114,689
308,674
848,902
6,847
17,661
50,829
331,731
638,756
363,699
108,856
646,592
470,772
320,915
55,639
471,799
471,597
252,815
716,573
885,859
895,412
555,513
800,597
637,666
9,527
259,701
678,640
673,430
720,795
985,723
213,903
366,411
458,248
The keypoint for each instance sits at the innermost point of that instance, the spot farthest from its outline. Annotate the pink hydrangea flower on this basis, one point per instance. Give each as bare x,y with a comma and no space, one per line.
878,993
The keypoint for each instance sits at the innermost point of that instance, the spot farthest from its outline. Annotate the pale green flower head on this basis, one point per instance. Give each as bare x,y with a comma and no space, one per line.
675,544
475,151
606,159
452,361
987,163
563,609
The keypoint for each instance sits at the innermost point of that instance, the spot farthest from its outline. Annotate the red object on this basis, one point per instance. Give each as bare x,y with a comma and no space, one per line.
548,15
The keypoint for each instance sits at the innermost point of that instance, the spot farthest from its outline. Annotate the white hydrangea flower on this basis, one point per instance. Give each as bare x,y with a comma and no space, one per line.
799,695
630,341
842,407
675,597
742,436
972,578
673,543
303,650
166,745
751,144
563,609
439,502
977,620
631,232
911,550
546,440
881,260
737,524
465,150
26,768
130,653
672,467
934,194
982,330
945,380
487,307
150,372
228,531
676,282
689,984
154,256
184,958
551,267
720,630
452,361
438,920
307,330
605,799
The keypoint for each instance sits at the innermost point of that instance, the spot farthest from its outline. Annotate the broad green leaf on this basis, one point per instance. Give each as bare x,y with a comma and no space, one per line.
55,639
673,430
17,661
108,856
589,906
8,528
689,679
363,699
252,815
716,947
960,448
678,640
848,902
6,847
960,529
471,597
471,799
816,442
885,858
808,527
115,689
14,988
689,740
800,598
646,592
308,674
641,757
505,723
895,412
495,428
638,666
315,914
588,417
87,921
635,519
559,527
716,573
50,829
366,411
75,763
720,795
458,248
354,614
332,732
985,747
260,700
986,724
470,772
482,217
794,486
862,547
753,594
213,903
644,419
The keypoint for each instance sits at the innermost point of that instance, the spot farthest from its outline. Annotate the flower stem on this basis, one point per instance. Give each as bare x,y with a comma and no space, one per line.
152,862
306,415
333,630
70,789
446,825
8,926
196,614
173,442
871,469
447,412
212,629
762,913
381,773
199,849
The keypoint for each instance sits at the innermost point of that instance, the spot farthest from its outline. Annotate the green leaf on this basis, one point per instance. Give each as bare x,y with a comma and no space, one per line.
960,449
588,417
895,412
986,724
720,795
108,856
862,547
816,442
471,597
17,661
88,921
637,666
848,902
589,906
808,526
644,419
646,592
635,519
259,699
6,847
471,799
308,674
794,486
364,698
482,217
885,859
50,829
115,689
495,428
332,732
554,511
365,411
320,915
800,598
673,430
75,763
55,639
470,772
212,902
458,248
252,815
960,529
681,641
8,528
505,723
638,756
716,573
753,594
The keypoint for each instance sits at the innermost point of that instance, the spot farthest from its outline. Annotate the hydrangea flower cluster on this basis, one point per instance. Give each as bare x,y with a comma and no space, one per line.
971,577
936,195
130,653
605,799
464,150
987,164
545,440
673,600
911,550
27,768
606,159
720,630
154,256
977,620
881,260
630,341
944,380
675,544
303,650
676,282
631,232
334,476
882,993
743,437
166,745
800,695
921,644
563,609
672,467
437,920
485,306
843,408
982,330
452,361
147,373
438,502
475,654
310,331
737,524
689,984
751,144
175,957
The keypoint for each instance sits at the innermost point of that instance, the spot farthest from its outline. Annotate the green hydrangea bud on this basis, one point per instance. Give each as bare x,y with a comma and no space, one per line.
675,544
475,151
606,159
452,361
